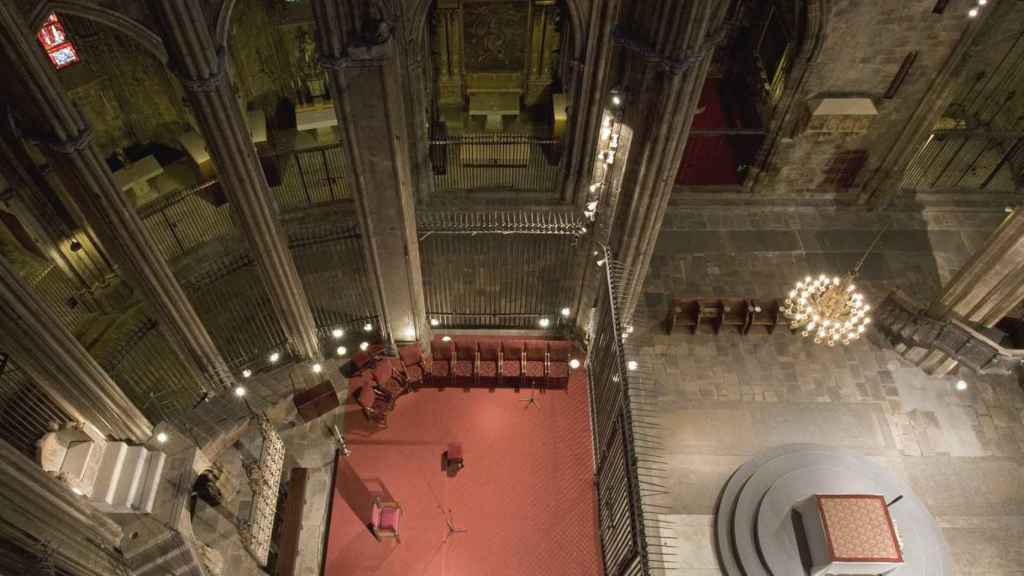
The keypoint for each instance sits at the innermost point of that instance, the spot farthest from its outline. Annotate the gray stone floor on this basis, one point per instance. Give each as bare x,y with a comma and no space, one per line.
724,398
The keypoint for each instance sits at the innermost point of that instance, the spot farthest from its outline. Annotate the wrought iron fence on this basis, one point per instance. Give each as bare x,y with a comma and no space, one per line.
25,410
307,177
629,469
59,292
332,265
150,372
495,162
233,303
193,216
479,272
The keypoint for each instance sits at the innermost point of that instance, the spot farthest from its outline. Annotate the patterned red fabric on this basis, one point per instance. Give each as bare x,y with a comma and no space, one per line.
859,528
488,366
414,374
559,351
558,372
536,350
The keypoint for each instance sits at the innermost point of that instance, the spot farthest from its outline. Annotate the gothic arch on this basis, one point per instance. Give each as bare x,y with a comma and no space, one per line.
147,38
224,24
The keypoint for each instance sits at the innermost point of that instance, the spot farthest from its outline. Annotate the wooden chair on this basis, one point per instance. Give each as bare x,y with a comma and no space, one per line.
765,313
414,365
385,517
442,354
512,363
735,313
465,367
683,313
559,354
535,366
487,368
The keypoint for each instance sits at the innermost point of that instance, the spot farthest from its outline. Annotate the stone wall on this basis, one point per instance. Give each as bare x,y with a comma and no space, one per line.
865,44
761,252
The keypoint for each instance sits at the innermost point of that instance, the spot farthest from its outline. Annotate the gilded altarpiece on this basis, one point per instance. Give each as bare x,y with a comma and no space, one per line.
495,46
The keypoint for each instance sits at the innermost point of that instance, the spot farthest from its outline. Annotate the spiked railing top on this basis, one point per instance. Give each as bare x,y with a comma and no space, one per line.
501,222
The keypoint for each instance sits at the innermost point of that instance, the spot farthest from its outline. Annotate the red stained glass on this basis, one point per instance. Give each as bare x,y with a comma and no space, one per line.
55,41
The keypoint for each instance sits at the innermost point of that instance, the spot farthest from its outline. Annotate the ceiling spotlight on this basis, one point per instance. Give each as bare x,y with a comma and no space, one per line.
363,346
600,262
341,350
982,2
544,322
274,357
574,363
77,491
972,13
961,385
616,100
367,327
317,368
566,311
446,338
246,373
239,391
337,333
435,322
632,365
161,437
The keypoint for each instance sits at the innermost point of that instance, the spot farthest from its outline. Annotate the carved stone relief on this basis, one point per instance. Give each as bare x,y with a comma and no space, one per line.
496,35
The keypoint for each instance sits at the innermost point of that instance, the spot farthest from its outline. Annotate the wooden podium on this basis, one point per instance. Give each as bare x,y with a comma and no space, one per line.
314,402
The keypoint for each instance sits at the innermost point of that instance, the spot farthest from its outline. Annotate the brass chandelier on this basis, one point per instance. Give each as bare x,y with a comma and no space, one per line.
830,309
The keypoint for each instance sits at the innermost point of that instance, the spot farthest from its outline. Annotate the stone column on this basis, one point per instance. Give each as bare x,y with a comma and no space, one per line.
988,287
37,508
666,50
43,107
362,60
58,363
202,68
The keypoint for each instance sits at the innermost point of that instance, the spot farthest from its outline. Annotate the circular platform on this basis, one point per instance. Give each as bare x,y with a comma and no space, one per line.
755,525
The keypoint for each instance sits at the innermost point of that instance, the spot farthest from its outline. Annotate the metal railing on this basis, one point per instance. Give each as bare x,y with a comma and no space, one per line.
181,221
495,162
629,469
335,277
233,303
308,177
53,287
25,410
151,374
480,275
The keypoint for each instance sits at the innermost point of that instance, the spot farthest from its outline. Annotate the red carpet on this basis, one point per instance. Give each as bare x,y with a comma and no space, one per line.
525,496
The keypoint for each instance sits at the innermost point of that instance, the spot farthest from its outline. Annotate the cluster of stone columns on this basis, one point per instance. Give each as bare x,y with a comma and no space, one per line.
363,60
661,85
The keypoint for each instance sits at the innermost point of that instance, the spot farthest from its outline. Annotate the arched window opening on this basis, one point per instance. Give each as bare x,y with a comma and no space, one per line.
55,41
741,94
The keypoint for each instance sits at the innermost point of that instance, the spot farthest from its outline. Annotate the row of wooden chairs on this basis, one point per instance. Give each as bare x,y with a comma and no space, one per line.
743,314
465,361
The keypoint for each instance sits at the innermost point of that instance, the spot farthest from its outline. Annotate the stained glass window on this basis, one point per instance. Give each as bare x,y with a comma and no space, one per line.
55,41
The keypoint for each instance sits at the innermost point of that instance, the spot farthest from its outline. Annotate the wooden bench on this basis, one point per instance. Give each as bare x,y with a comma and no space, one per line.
288,550
741,313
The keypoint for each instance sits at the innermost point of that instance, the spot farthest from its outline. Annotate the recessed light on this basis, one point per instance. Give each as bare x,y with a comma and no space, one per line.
367,327
961,385
632,365
574,363
544,322
446,338
317,368
239,391
161,437
341,350
363,346
246,373
435,322
566,311
973,12
337,333
274,357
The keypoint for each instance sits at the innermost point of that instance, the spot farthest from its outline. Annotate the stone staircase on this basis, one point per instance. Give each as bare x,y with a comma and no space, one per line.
128,479
116,477
927,342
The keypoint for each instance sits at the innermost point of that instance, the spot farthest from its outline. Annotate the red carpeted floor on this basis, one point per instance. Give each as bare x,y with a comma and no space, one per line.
525,497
